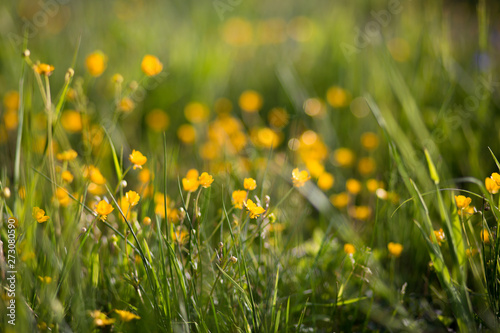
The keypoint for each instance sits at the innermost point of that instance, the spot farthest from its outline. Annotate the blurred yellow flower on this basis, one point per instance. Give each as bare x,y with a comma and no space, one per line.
62,197
491,185
67,155
326,181
278,117
206,180
186,133
100,319
190,184
315,167
126,104
344,157
137,159
96,176
369,140
250,101
340,200
239,197
192,174
440,236
314,107
180,236
67,176
39,215
337,97
151,65
462,201
395,249
95,189
146,220
373,185
496,177
253,209
43,69
196,112
249,184
126,316
144,175
366,166
158,120
353,186
11,100
349,249
485,236
103,209
45,279
132,198
361,212
300,177
71,121
10,119
96,63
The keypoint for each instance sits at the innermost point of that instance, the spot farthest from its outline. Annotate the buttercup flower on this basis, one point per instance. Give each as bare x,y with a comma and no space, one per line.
67,176
349,249
440,236
300,177
249,184
462,201
151,65
67,155
96,63
250,101
485,236
132,197
100,319
137,159
496,177
190,184
239,197
39,215
206,180
103,209
126,315
43,69
254,210
491,185
395,249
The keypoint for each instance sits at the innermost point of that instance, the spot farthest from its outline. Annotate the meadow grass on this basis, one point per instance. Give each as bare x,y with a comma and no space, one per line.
246,174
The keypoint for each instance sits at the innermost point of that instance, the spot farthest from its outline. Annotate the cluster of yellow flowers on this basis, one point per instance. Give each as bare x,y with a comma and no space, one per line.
193,180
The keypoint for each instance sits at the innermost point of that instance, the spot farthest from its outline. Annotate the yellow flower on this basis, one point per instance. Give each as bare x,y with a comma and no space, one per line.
249,184
278,117
67,155
353,186
100,319
196,112
239,197
39,215
496,177
340,200
45,279
366,166
43,69
373,185
250,101
337,97
151,65
180,236
462,201
67,176
326,181
146,220
315,167
96,176
395,249
485,236
71,121
137,159
190,184
206,180
11,100
132,198
96,63
349,249
253,209
103,209
126,104
95,189
344,157
440,236
300,177
369,140
62,197
186,133
126,315
192,174
361,212
491,185
10,119
158,120
144,176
